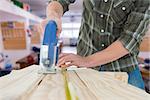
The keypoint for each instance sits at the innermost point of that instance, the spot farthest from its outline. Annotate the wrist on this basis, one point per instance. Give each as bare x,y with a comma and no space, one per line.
52,14
53,17
54,9
89,61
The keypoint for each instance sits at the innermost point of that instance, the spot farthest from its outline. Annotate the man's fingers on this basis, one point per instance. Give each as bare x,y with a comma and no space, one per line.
58,22
64,54
59,27
71,64
44,22
66,65
63,60
58,32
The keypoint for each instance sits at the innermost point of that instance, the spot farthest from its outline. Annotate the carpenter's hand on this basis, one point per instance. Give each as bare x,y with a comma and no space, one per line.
71,59
52,16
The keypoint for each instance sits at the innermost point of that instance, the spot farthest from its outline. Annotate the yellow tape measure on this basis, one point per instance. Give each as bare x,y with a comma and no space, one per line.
69,90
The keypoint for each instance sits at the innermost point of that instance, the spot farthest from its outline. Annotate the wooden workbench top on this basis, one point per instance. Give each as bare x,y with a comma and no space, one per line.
84,84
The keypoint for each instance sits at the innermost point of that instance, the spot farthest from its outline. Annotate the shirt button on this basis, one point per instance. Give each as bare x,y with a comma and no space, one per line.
105,0
103,45
102,30
123,8
101,16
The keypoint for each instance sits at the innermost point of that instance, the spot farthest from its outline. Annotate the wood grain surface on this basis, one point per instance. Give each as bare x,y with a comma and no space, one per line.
84,84
51,88
106,88
19,84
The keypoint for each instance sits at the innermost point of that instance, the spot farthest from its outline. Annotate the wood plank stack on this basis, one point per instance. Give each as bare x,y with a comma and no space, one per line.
84,84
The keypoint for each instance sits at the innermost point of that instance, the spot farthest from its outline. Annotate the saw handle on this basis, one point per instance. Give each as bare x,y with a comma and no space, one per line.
50,39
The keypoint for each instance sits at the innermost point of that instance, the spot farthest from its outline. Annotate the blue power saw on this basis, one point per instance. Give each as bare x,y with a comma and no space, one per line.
49,49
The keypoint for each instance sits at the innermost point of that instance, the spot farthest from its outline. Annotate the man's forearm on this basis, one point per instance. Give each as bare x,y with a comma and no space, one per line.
111,53
54,8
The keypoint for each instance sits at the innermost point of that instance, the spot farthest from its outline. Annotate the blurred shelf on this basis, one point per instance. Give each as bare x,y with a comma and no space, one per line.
9,11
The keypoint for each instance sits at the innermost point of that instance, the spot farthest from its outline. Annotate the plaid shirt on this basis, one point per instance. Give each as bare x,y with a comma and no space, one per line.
105,21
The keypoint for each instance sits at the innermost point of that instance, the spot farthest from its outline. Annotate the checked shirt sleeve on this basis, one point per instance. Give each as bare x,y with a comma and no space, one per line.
136,26
65,4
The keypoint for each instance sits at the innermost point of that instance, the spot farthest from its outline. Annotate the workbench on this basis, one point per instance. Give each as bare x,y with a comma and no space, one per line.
84,84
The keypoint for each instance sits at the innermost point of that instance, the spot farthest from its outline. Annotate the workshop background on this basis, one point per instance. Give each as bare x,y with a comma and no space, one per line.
20,36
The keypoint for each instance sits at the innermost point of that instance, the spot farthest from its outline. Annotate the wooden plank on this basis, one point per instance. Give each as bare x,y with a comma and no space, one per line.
15,75
106,88
21,86
51,88
81,90
87,84
121,76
